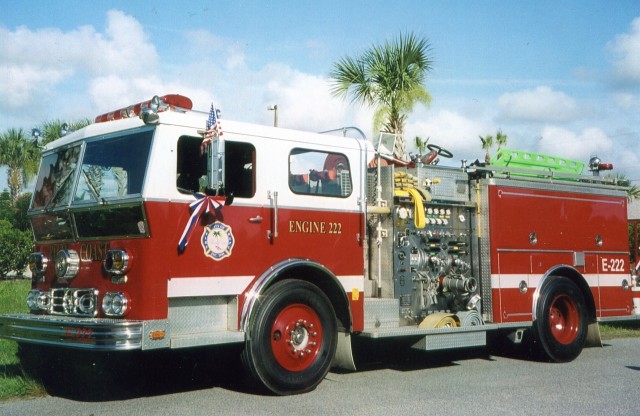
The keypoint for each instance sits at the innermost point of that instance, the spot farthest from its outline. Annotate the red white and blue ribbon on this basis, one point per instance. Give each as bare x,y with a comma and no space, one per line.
204,204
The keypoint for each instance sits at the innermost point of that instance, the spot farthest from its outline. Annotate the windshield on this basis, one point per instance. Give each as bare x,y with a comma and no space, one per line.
110,168
113,168
86,178
57,170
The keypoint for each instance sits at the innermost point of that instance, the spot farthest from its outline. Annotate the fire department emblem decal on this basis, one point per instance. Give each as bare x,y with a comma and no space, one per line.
217,240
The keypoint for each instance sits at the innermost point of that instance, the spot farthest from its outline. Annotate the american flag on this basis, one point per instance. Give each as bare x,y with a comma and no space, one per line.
214,128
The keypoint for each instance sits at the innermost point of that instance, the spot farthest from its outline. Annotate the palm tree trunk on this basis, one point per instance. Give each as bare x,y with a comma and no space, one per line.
14,180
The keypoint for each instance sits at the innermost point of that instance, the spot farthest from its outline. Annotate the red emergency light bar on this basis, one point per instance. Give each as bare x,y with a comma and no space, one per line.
596,165
170,101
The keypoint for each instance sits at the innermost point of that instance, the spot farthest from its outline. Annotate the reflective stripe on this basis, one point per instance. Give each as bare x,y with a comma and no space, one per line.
352,282
512,281
207,286
234,285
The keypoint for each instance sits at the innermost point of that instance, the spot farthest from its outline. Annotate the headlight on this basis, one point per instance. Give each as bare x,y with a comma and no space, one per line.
38,263
67,264
38,301
115,304
117,262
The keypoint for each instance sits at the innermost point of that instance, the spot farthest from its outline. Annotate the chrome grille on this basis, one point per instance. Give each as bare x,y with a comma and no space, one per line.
74,302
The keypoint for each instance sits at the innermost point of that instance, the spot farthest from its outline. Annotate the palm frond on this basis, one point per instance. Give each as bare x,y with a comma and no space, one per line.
388,76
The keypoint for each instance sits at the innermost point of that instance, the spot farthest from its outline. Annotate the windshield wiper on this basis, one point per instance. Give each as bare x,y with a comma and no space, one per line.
91,186
57,191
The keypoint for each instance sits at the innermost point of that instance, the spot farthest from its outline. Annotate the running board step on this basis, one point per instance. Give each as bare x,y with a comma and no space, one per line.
437,339
443,338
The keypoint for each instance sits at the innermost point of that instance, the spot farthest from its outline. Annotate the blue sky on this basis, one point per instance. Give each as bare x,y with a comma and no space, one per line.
559,77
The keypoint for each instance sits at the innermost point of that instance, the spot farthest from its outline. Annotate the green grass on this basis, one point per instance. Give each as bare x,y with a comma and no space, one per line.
629,329
13,381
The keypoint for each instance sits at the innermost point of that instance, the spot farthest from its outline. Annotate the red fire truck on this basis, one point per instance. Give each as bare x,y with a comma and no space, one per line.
154,232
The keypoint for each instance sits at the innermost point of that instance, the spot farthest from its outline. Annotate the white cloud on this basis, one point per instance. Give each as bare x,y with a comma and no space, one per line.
452,131
304,101
37,62
541,104
244,93
203,46
20,83
125,50
626,48
565,143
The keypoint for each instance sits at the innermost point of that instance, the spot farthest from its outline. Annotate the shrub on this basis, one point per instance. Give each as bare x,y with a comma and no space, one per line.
20,207
15,248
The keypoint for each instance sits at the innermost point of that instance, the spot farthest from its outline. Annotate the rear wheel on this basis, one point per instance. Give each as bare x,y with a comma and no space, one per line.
292,339
561,320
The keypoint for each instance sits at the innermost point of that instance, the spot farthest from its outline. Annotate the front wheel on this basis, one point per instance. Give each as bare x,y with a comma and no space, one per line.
561,320
292,339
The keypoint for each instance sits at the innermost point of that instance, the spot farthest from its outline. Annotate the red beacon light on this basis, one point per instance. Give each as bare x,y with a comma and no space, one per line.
148,110
596,165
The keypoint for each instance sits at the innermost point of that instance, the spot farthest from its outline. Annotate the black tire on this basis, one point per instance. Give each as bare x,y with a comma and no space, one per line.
561,325
292,338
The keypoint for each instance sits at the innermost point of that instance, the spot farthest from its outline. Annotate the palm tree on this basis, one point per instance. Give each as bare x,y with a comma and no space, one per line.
501,139
388,77
633,191
488,141
54,129
487,144
421,145
20,154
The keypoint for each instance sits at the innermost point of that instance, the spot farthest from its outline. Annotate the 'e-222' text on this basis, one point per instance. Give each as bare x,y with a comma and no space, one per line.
79,335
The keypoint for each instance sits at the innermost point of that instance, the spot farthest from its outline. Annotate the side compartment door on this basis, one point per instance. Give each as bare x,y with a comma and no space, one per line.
614,284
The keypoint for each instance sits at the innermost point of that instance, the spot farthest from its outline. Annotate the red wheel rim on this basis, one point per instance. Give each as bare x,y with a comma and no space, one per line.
296,337
564,319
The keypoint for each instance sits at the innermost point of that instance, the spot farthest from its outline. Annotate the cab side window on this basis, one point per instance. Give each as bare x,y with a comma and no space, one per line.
312,172
240,163
191,175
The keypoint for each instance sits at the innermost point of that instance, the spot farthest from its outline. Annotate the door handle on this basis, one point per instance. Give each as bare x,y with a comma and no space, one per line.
274,198
256,220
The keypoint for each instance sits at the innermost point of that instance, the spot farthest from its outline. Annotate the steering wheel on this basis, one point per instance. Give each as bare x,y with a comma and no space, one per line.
439,151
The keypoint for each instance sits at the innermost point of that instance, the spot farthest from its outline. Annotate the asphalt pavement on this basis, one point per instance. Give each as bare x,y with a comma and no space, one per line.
601,381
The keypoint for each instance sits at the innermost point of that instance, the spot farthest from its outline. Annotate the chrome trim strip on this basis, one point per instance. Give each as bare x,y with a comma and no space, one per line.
90,334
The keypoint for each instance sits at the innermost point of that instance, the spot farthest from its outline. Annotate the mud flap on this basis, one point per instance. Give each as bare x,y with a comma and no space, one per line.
593,336
344,355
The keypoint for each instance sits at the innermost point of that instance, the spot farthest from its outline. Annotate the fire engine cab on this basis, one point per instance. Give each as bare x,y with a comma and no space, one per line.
161,227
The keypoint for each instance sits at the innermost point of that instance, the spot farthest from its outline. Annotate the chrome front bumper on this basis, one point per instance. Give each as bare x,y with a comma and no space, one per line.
83,333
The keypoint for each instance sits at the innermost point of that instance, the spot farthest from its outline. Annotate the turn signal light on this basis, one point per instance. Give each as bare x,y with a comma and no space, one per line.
117,262
157,335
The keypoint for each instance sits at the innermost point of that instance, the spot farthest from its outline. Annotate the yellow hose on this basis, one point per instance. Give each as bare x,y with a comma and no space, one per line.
439,320
419,219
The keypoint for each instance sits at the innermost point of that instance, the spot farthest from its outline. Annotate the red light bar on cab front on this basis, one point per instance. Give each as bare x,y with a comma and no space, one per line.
170,101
